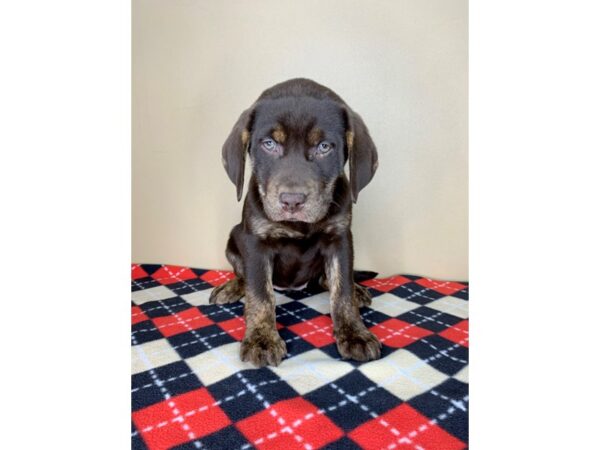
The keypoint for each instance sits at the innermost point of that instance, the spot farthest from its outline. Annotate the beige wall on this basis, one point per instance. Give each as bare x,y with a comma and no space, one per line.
401,64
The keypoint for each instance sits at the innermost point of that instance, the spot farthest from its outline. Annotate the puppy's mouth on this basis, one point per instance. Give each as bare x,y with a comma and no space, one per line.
306,213
286,216
301,205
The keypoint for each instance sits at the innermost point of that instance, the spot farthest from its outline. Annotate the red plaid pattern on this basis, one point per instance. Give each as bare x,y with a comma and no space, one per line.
217,277
404,427
173,274
190,389
458,333
290,424
317,331
443,287
397,333
190,319
235,327
137,315
180,419
386,284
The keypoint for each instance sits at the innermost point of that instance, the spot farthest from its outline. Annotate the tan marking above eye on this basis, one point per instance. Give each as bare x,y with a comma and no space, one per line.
314,136
279,134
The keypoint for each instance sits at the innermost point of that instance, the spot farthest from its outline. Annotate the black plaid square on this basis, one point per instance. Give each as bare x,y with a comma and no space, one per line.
151,268
198,272
144,331
194,342
176,378
245,393
372,317
342,444
352,400
221,313
430,319
448,405
143,283
164,307
294,312
442,354
189,286
416,293
332,351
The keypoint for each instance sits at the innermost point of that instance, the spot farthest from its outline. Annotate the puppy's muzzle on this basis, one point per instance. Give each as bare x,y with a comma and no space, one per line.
292,202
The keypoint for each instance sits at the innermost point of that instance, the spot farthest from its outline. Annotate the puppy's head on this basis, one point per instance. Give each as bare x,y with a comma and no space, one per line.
298,146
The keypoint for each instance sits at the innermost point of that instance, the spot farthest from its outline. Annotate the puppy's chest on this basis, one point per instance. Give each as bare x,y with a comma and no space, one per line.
298,249
296,261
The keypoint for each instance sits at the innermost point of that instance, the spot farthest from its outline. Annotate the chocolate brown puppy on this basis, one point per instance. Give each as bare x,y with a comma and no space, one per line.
297,213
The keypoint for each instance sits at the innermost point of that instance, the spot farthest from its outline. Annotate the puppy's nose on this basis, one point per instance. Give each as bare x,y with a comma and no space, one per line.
291,201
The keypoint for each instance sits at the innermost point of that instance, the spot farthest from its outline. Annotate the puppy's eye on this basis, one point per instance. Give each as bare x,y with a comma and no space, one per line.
269,145
324,148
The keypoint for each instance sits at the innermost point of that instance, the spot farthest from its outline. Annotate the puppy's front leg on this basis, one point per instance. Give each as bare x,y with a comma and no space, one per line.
262,344
354,340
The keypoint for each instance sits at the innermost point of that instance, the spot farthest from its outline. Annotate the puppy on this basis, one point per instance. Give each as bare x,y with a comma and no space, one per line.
297,213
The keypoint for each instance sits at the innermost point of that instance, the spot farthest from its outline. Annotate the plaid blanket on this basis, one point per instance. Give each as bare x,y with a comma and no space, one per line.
190,389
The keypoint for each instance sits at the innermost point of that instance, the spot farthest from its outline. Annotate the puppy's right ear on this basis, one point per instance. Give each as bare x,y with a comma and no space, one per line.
235,149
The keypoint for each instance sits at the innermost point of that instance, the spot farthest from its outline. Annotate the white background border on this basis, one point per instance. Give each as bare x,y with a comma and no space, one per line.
65,183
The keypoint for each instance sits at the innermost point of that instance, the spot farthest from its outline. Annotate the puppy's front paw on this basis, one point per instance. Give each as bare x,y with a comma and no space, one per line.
262,348
228,292
360,345
362,295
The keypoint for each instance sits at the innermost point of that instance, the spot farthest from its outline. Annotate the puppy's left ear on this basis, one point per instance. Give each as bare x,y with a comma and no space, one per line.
235,149
361,153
